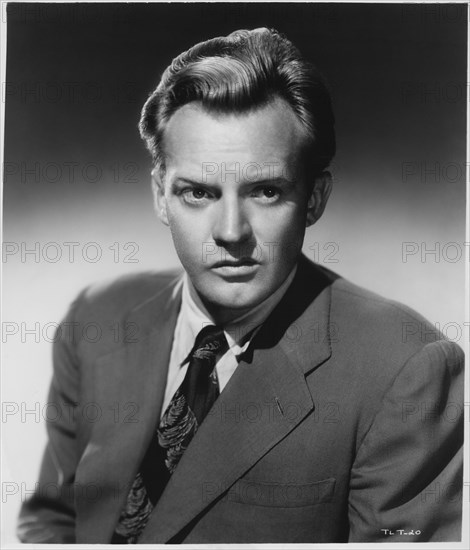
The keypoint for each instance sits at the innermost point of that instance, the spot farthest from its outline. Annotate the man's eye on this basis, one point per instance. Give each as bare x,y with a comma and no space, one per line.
198,193
267,194
194,195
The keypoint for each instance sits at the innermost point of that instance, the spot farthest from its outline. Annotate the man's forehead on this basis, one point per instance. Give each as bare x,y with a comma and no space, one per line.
273,125
262,142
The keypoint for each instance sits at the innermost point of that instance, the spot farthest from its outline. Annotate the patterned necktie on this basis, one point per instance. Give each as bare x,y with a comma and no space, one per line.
185,413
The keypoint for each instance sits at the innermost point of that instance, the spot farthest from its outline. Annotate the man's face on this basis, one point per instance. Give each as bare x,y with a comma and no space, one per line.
235,201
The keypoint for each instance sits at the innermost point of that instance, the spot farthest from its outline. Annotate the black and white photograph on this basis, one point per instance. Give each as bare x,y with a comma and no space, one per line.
235,263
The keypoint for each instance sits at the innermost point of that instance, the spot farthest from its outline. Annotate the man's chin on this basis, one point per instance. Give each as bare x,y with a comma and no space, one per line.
226,306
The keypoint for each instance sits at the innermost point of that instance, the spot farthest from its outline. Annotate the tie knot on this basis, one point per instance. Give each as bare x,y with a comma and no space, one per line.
209,342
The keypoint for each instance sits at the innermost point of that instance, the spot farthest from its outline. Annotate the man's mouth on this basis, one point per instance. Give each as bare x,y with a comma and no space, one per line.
235,263
236,268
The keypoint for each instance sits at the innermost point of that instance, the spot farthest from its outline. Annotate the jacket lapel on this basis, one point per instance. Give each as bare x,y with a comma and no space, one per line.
129,388
254,412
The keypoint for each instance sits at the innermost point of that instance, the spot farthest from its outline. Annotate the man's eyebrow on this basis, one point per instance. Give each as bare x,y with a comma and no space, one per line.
189,181
280,180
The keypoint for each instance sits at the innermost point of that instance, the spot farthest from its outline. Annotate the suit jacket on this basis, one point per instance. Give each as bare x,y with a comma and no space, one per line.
343,422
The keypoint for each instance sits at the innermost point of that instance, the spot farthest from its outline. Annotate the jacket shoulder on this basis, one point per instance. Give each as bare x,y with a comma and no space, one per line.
117,296
99,320
380,345
378,322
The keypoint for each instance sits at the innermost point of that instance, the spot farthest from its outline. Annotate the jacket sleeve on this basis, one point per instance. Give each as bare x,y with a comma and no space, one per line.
406,481
48,516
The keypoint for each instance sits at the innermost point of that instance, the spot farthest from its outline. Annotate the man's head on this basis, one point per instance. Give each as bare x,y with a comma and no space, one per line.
240,129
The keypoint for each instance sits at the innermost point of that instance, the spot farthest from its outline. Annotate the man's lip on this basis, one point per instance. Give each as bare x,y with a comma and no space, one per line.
235,263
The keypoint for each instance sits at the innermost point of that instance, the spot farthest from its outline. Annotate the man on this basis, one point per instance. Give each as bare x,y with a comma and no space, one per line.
257,397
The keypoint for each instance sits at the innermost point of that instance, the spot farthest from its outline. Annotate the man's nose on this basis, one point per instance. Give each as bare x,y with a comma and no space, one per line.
231,224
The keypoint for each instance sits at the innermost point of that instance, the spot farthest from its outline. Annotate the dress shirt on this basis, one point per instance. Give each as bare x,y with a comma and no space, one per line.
193,316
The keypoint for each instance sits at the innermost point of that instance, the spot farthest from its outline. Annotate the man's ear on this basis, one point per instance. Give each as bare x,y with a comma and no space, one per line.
158,188
321,189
